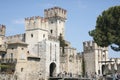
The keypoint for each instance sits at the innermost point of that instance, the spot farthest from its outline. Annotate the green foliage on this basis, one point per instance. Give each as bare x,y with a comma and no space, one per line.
7,68
4,66
107,31
62,43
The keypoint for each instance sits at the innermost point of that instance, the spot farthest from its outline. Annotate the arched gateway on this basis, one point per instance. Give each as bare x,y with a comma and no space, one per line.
52,69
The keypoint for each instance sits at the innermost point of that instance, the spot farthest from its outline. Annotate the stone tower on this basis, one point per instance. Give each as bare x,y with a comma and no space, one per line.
95,57
2,33
56,19
2,30
36,31
41,28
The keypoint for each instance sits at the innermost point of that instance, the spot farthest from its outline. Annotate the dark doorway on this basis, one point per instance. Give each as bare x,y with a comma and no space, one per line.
52,69
103,69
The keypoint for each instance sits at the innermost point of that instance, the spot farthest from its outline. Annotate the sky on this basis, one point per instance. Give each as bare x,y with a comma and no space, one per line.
81,17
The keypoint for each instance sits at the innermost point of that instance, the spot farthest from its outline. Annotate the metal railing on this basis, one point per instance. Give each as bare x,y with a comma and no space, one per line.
8,60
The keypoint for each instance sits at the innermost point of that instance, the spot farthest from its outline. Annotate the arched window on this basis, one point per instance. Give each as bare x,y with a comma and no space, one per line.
31,35
51,31
22,69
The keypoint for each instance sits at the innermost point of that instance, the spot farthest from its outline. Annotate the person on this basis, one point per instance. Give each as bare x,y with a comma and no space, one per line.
86,75
116,76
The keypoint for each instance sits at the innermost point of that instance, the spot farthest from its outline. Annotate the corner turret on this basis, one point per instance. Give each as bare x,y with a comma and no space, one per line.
35,22
90,46
56,20
2,30
95,55
55,12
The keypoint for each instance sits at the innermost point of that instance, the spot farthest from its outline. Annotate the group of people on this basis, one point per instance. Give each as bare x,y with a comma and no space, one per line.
92,75
64,74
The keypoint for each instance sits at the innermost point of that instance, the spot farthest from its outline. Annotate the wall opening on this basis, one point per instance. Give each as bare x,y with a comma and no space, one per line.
103,69
31,35
51,31
52,69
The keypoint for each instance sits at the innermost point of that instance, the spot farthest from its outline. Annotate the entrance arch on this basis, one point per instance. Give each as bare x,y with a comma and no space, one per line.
52,69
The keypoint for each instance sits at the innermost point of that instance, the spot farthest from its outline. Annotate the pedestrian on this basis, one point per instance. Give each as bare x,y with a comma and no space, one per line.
116,76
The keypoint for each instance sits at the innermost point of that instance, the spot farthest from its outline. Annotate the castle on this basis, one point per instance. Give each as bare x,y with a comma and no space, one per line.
37,54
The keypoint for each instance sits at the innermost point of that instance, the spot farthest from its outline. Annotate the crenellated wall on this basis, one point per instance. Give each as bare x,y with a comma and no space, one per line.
2,33
13,38
36,22
56,20
2,30
41,35
95,55
91,45
113,65
55,12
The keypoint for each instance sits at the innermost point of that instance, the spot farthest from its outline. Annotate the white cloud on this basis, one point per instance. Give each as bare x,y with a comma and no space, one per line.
18,21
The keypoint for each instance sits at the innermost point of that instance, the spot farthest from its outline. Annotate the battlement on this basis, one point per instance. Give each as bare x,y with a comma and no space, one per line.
35,22
18,37
115,60
91,45
55,12
87,45
2,30
2,26
35,18
79,57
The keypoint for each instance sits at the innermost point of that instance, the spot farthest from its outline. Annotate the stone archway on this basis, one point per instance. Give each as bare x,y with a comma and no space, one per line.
52,69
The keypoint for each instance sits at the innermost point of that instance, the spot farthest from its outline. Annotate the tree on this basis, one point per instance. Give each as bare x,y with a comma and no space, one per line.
62,43
107,29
